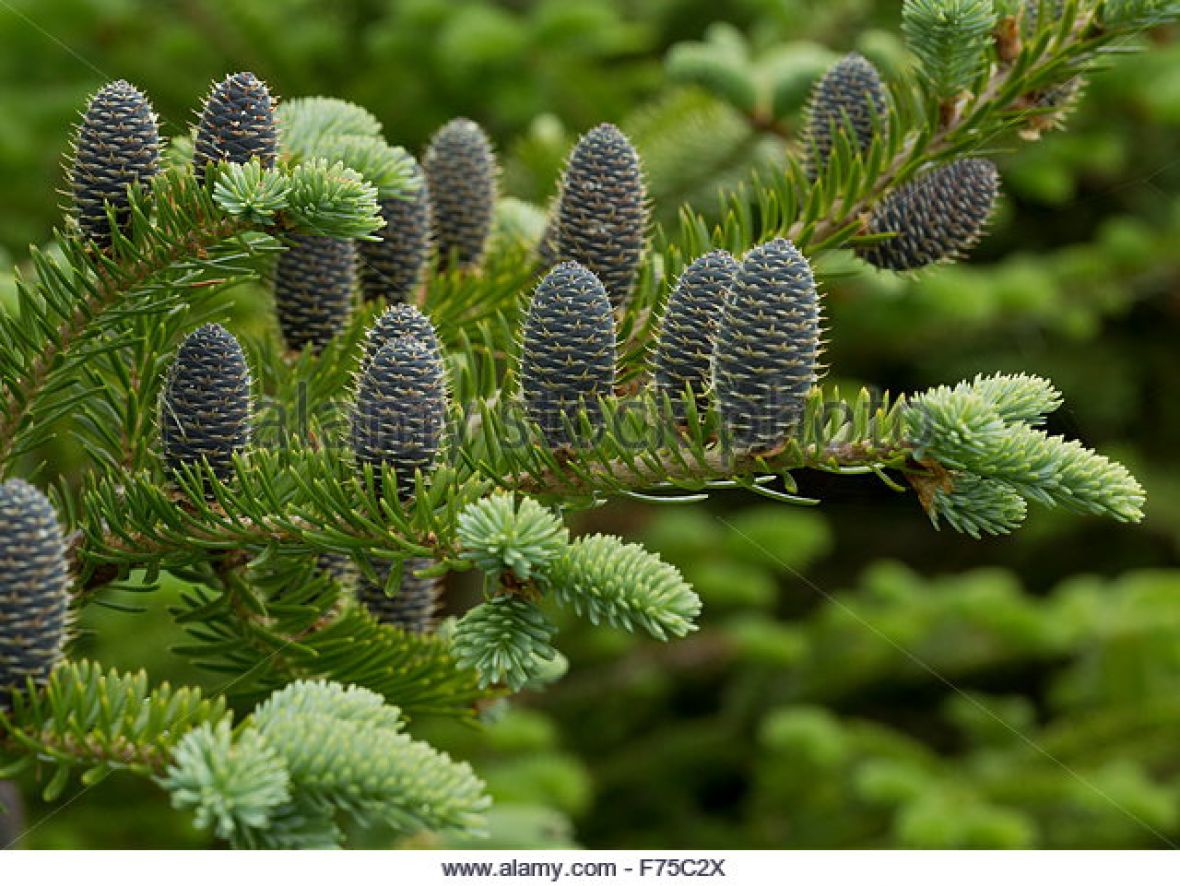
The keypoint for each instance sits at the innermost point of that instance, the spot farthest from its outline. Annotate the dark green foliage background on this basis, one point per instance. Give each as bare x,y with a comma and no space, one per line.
859,679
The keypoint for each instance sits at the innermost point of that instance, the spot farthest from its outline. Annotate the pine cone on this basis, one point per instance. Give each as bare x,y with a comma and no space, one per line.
400,412
392,268
461,174
602,213
205,409
118,145
938,216
313,287
685,349
237,124
34,583
849,97
414,605
401,321
568,353
768,342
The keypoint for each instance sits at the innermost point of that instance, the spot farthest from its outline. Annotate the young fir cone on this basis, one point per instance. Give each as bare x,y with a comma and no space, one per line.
938,216
236,125
391,268
602,214
461,172
205,408
414,605
684,351
768,343
34,582
313,287
399,416
850,97
568,353
118,145
400,321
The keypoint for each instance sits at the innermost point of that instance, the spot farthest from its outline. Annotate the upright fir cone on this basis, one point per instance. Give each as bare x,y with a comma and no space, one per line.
414,605
602,213
205,408
568,353
461,173
768,344
118,145
237,124
400,321
34,584
313,286
850,97
684,351
391,268
400,412
938,216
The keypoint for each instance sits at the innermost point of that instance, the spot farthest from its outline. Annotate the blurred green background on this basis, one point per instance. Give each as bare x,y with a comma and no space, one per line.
860,680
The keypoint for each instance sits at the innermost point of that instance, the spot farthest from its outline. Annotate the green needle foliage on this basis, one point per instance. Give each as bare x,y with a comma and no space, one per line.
624,585
308,751
233,786
447,433
501,536
950,39
505,640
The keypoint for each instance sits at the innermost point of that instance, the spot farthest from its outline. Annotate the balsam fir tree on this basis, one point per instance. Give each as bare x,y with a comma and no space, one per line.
461,409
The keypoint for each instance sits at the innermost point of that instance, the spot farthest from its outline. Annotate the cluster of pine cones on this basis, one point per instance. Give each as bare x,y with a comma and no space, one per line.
741,334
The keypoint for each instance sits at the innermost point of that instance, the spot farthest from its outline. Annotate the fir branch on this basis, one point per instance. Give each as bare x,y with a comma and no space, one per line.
101,720
66,302
828,215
